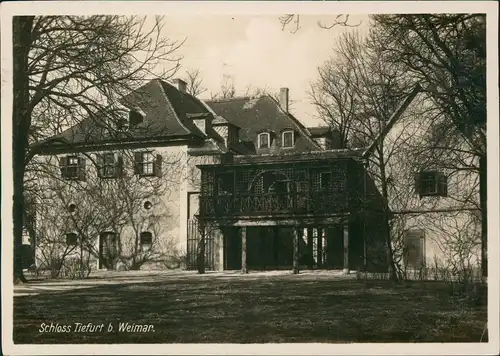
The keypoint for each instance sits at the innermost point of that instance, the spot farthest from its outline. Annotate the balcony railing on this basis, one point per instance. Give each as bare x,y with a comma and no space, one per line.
273,203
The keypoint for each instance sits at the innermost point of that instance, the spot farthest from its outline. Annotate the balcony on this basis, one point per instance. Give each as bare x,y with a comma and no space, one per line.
296,203
307,188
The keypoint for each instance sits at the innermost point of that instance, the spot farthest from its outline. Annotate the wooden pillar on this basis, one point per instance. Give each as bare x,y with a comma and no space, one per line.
346,248
244,268
201,248
220,238
319,247
296,235
275,246
310,247
365,267
225,236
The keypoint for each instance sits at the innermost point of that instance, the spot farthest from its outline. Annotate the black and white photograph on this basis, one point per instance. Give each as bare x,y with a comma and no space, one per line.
250,177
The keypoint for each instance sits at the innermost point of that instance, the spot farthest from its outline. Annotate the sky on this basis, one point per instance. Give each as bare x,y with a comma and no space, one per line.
255,51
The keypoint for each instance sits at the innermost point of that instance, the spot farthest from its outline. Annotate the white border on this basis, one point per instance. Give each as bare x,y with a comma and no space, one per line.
251,8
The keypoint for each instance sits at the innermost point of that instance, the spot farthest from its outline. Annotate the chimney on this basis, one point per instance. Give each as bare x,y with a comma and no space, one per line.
181,85
284,99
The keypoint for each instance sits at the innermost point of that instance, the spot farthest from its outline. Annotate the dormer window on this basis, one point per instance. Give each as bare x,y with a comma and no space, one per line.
287,139
264,140
135,117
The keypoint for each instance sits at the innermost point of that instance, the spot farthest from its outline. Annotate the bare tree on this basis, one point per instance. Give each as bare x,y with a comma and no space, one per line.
446,52
227,89
356,94
194,82
110,197
67,68
293,21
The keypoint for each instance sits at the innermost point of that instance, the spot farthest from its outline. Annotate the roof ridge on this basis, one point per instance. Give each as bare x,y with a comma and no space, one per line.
233,98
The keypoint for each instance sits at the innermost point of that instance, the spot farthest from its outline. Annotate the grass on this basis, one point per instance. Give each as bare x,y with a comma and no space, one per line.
277,309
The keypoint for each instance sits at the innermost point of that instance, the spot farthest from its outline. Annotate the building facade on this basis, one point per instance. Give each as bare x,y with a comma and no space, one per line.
435,192
175,182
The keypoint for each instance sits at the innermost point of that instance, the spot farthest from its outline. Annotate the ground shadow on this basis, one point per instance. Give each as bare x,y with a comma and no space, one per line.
239,310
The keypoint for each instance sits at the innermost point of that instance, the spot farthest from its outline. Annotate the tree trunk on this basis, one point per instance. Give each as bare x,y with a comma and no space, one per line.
385,221
390,253
484,215
21,121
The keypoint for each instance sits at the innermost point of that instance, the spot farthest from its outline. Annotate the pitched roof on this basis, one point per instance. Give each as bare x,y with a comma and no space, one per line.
319,131
166,115
256,114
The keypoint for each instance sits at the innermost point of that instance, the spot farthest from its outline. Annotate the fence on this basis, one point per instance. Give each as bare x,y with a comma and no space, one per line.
193,246
428,274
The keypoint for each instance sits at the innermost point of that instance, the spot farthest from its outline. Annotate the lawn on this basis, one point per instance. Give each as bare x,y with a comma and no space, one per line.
277,309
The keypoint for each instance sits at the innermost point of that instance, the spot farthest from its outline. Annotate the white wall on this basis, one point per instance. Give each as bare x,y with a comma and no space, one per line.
446,221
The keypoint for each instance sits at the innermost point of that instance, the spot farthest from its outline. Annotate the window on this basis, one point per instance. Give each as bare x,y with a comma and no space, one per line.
273,182
287,139
71,239
431,183
72,207
135,118
264,140
439,132
147,205
225,183
109,165
146,240
148,164
232,136
72,167
325,181
414,249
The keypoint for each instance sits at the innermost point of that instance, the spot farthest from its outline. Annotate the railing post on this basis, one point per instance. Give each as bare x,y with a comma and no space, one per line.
296,233
319,252
310,247
346,248
244,267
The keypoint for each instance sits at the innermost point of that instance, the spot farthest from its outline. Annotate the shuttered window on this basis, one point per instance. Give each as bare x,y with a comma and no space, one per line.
71,239
109,165
431,183
148,164
72,167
